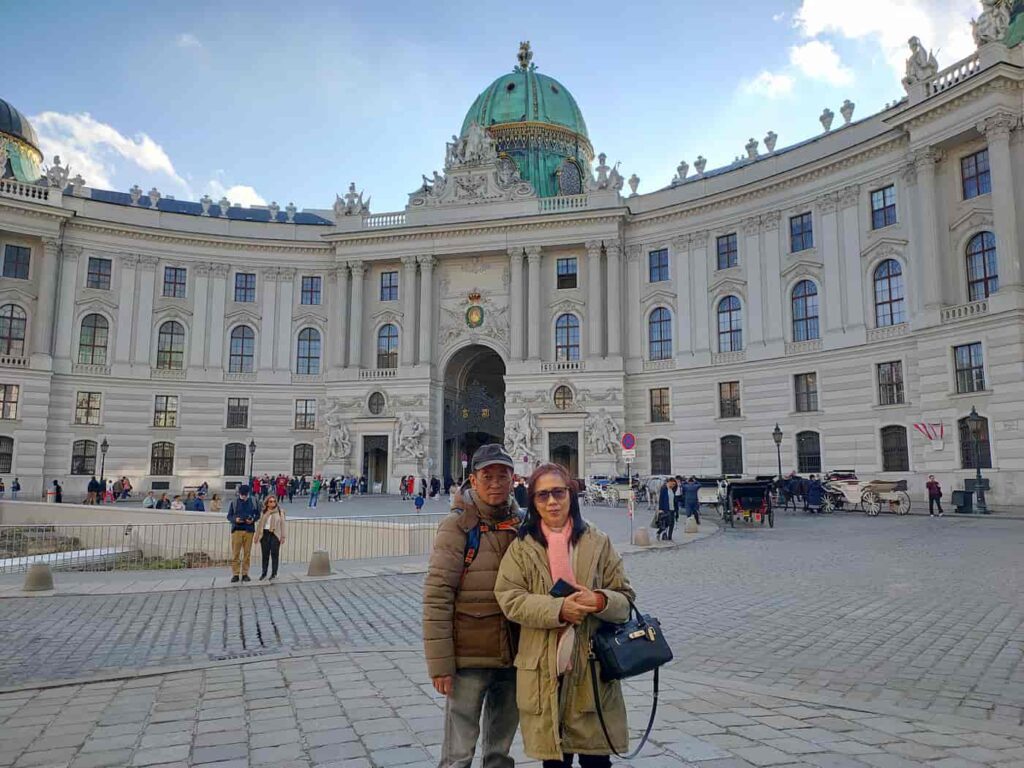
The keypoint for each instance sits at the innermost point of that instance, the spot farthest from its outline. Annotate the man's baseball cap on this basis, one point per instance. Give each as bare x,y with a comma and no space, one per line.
243,490
491,454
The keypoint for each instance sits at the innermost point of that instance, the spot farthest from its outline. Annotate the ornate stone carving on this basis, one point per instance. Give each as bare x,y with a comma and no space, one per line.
339,441
273,209
827,203
634,182
700,164
57,174
129,260
908,172
681,170
409,437
205,202
681,243
148,262
454,328
154,197
224,204
770,141
826,119
520,436
77,185
203,270
593,249
607,178
699,239
847,111
426,261
921,65
289,212
220,270
925,159
751,148
770,221
992,24
358,269
533,254
286,274
998,126
269,274
751,226
351,204
409,262
135,193
849,195
633,252
602,433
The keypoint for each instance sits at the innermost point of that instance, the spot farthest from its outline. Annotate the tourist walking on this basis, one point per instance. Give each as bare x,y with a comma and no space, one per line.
469,652
271,534
58,493
556,699
934,496
314,492
15,487
691,499
419,501
814,497
666,522
242,514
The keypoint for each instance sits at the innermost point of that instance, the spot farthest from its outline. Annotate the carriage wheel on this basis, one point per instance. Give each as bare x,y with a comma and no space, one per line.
871,502
771,518
828,505
902,503
613,497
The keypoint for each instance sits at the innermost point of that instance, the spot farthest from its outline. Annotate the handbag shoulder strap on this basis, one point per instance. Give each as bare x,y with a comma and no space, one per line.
600,713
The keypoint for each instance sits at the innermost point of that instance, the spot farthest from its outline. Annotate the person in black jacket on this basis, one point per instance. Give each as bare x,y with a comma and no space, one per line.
667,510
242,514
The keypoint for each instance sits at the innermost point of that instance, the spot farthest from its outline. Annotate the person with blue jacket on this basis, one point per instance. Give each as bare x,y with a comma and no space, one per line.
242,514
667,510
815,494
691,498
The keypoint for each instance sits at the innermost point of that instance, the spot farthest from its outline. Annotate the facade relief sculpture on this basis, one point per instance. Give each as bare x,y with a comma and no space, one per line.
339,439
410,437
602,433
521,435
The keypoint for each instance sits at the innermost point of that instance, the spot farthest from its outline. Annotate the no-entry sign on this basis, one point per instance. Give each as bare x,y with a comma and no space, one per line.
628,441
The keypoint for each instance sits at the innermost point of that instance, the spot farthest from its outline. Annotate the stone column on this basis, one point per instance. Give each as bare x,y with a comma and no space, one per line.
853,281
144,329
828,244
755,319
515,301
426,356
772,256
595,317
64,343
267,292
633,308
355,339
46,305
218,293
997,130
613,308
681,275
928,262
533,256
285,302
700,309
407,346
341,310
200,309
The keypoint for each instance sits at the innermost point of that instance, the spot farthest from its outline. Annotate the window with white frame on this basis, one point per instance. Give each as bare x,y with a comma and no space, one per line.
87,408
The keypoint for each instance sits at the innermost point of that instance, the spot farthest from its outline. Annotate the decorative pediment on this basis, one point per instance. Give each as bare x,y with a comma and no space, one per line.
307,319
728,284
387,316
241,313
163,314
97,302
974,219
16,293
566,304
660,296
803,266
885,248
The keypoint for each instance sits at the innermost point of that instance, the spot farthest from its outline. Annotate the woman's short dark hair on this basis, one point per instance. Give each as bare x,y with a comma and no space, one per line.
531,525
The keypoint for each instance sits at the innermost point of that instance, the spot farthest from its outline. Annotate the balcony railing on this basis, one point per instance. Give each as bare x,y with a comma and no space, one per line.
562,203
378,373
803,347
379,220
89,369
887,332
247,376
660,365
560,366
964,311
957,73
10,361
14,188
169,374
727,358
307,378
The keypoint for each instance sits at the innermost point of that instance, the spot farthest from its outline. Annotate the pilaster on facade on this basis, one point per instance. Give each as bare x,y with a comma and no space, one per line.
407,289
533,303
428,300
634,265
996,130
595,317
613,309
515,302
925,237
355,350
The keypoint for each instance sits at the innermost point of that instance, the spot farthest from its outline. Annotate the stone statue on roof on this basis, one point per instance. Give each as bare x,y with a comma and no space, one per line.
922,64
991,25
525,55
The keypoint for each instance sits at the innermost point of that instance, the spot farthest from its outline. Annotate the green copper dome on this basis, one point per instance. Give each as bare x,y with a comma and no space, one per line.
19,146
535,120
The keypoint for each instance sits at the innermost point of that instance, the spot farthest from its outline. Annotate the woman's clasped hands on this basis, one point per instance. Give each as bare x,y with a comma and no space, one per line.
578,605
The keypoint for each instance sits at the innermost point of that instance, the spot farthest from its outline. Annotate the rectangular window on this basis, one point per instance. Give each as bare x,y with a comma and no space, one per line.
975,174
9,401
99,274
801,233
659,405
729,400
245,287
305,414
658,265
883,207
87,408
238,413
806,392
16,260
728,251
174,282
970,368
890,383
311,289
165,411
389,286
566,269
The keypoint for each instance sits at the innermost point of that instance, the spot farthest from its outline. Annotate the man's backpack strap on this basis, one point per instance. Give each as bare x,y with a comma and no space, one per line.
473,539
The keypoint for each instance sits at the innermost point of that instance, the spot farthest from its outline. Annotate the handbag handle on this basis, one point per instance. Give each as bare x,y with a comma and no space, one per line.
600,712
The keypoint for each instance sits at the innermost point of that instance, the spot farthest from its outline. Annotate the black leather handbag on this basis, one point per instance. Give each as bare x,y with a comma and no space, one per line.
624,651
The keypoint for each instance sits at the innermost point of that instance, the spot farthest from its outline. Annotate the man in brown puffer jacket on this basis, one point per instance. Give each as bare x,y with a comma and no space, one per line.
469,643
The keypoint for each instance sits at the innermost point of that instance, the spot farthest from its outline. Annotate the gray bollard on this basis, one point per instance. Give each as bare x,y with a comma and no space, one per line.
691,525
642,537
39,578
319,563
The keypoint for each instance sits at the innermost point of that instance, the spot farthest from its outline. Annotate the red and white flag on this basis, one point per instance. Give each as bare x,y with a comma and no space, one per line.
931,431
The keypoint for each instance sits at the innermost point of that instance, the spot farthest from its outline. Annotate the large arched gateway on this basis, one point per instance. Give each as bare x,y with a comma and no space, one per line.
474,405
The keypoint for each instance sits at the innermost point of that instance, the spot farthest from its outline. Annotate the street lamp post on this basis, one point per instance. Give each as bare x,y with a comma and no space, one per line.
975,423
103,461
777,437
252,458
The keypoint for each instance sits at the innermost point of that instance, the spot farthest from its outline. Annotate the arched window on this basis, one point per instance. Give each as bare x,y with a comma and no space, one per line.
83,457
805,311
170,346
161,459
730,325
234,460
308,356
982,267
6,454
12,330
567,337
889,296
563,397
92,341
732,455
376,404
661,457
387,346
659,334
242,354
974,448
808,452
302,460
895,455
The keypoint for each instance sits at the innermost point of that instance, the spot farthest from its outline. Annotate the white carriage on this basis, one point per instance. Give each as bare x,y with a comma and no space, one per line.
872,496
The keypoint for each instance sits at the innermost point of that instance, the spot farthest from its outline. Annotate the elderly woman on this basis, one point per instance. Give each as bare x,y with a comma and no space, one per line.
554,695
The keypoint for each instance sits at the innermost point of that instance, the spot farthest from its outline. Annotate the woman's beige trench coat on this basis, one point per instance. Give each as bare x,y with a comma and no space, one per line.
555,722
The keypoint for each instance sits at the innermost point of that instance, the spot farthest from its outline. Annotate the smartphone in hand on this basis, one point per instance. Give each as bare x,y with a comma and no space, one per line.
562,588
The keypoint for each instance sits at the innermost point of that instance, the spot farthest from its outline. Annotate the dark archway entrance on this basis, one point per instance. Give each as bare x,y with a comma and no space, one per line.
474,405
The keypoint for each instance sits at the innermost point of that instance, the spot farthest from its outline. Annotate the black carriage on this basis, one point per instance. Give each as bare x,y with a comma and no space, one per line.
750,501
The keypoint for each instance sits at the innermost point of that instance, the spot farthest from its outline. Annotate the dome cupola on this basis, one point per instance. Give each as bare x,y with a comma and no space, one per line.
19,145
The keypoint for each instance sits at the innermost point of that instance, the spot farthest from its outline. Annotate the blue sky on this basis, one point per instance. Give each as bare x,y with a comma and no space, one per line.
292,101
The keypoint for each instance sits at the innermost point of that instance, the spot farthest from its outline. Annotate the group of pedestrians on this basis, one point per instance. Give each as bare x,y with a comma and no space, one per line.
262,521
676,494
410,486
500,647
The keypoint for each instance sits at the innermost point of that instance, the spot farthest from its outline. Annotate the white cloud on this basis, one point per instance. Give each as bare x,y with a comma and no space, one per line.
771,85
779,16
187,40
95,149
238,194
818,60
943,25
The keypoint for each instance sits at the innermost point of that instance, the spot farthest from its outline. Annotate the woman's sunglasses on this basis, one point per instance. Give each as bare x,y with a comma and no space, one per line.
558,494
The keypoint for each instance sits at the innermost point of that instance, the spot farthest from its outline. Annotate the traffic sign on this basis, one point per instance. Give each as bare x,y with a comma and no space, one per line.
628,442
629,453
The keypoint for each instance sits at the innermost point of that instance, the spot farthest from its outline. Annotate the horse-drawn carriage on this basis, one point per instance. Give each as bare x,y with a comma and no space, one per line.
748,500
844,489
